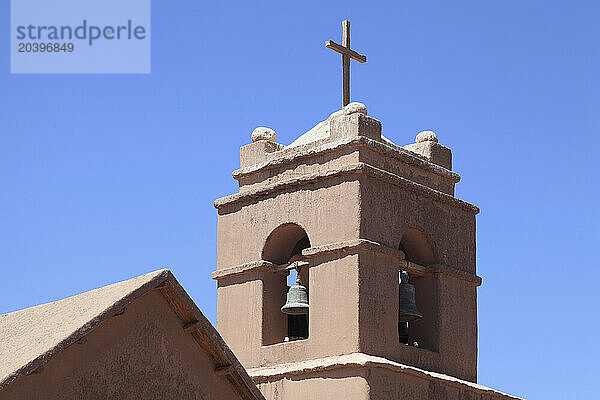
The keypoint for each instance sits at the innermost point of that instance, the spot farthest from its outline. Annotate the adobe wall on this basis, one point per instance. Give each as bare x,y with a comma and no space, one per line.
333,318
387,209
347,384
400,162
328,211
142,354
446,293
295,167
447,333
360,376
387,384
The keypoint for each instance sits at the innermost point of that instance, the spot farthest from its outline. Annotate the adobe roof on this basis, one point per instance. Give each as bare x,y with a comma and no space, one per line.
32,336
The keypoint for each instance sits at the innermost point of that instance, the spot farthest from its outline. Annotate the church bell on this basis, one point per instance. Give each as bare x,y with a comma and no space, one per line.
297,299
407,310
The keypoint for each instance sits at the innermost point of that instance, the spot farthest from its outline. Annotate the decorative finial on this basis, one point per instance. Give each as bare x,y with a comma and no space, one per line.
262,133
354,108
426,136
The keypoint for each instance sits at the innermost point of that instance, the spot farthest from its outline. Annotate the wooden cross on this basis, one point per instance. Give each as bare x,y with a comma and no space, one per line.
347,54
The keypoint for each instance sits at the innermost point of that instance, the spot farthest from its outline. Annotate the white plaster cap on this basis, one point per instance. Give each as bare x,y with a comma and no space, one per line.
262,133
351,108
354,108
426,136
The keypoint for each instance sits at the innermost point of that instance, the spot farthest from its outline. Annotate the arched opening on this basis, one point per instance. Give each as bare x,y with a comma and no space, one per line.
419,249
285,242
283,246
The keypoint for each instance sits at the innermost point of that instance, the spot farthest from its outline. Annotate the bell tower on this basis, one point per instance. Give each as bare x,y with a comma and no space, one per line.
358,217
384,304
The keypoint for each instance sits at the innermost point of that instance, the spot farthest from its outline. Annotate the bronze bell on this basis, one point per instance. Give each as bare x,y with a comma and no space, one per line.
297,299
407,310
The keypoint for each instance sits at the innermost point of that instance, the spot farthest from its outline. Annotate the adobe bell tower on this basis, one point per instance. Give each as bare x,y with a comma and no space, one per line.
351,212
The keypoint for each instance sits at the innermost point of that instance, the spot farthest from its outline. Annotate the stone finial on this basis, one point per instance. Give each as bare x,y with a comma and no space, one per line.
426,136
427,146
352,108
262,133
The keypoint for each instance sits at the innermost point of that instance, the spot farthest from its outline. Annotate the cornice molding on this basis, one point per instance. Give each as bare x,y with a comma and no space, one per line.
356,168
289,155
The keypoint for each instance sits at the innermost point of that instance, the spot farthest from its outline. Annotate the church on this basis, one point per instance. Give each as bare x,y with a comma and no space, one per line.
384,304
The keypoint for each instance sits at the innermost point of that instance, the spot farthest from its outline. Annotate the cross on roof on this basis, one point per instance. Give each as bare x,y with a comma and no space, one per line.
347,54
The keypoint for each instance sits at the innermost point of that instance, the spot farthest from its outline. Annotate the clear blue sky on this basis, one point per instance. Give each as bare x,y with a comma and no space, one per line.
105,177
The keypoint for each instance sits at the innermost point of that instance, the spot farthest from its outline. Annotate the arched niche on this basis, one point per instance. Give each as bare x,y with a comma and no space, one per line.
284,242
417,247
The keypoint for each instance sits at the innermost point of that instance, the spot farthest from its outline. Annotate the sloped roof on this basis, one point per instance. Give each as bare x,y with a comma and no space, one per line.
32,336
323,129
318,132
